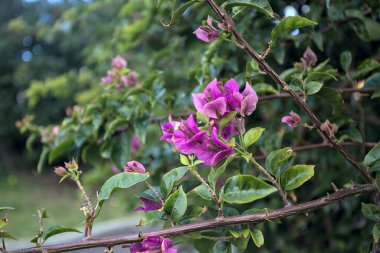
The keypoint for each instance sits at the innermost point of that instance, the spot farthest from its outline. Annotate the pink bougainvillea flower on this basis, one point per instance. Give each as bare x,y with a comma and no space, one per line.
207,33
118,63
148,205
187,137
168,130
118,86
55,130
245,102
211,101
216,100
134,166
153,244
213,150
107,79
292,120
309,58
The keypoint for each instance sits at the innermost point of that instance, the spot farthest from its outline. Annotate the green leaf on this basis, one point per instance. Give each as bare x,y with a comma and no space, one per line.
276,159
176,204
152,216
371,211
202,191
57,229
372,82
42,159
5,234
290,23
61,148
179,11
313,87
202,117
3,223
184,160
296,176
120,148
257,237
120,181
170,178
371,160
345,60
260,5
376,233
252,135
242,189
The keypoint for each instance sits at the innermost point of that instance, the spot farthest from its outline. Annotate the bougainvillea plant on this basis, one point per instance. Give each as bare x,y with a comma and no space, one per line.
222,194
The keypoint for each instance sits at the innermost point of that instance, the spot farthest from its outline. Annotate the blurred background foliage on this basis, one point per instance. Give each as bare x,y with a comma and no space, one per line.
54,54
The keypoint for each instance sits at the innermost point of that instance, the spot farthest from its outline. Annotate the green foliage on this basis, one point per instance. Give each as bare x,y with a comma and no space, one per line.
260,5
171,178
296,176
289,23
53,230
257,237
120,181
176,204
245,189
252,135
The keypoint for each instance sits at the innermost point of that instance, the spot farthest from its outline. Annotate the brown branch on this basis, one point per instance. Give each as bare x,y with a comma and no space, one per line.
243,44
323,145
210,224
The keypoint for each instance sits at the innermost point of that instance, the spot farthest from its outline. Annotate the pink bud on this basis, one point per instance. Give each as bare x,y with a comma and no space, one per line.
291,120
309,58
55,130
134,166
118,63
206,34
329,128
107,79
60,171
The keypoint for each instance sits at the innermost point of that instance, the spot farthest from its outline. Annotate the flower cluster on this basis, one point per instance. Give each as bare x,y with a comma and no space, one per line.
154,244
120,76
211,142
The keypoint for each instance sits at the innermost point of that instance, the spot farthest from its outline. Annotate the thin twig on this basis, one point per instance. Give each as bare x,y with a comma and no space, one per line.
272,180
243,44
210,224
210,190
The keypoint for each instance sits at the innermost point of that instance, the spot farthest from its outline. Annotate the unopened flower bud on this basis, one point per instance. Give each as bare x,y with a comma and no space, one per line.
118,63
71,165
329,128
60,171
309,58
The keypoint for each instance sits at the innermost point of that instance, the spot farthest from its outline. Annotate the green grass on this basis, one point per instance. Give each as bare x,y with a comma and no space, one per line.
62,201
